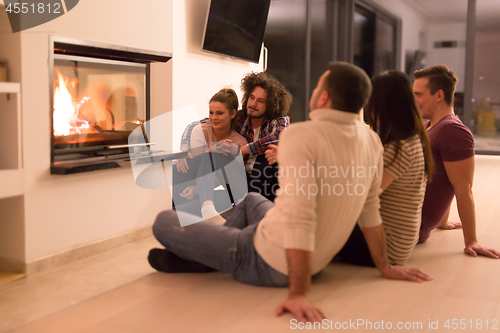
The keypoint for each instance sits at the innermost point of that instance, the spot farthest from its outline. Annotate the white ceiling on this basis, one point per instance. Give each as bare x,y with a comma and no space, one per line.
441,10
488,11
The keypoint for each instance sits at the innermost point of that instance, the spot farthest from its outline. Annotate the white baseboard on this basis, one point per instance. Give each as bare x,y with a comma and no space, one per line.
64,257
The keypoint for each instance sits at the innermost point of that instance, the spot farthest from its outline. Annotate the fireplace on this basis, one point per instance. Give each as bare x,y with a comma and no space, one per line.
99,95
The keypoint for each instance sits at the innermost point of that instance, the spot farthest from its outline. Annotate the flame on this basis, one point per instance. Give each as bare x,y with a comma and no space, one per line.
63,109
65,115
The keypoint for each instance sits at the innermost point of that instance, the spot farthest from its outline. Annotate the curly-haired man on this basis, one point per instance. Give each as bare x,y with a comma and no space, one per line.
263,116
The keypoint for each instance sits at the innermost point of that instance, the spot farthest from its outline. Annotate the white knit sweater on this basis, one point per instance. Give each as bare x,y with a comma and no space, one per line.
330,173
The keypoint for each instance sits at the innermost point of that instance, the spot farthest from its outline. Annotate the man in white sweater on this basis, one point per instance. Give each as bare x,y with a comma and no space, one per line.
330,175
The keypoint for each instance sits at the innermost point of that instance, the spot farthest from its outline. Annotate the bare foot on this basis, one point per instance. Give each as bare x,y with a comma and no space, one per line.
209,213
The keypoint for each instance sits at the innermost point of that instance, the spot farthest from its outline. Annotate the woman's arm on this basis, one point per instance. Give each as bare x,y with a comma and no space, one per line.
387,180
198,142
186,136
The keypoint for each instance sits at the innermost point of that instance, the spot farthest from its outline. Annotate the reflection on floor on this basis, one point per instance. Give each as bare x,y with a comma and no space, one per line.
7,277
40,295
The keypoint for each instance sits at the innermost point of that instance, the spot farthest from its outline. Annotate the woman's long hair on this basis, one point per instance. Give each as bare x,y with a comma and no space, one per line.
228,97
393,113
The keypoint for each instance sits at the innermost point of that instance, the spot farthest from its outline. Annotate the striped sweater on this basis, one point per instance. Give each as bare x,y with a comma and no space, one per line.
401,203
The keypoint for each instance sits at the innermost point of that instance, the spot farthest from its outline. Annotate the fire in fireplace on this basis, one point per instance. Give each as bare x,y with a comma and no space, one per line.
96,104
100,94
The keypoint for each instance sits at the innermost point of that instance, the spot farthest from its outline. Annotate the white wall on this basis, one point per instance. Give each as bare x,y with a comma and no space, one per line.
10,51
415,26
412,24
198,75
454,58
62,212
11,46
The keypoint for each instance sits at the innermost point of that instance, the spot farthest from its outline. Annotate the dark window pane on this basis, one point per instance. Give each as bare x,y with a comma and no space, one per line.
364,39
285,39
486,80
385,51
321,46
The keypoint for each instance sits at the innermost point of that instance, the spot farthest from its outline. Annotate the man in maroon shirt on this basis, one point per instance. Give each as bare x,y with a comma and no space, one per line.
452,146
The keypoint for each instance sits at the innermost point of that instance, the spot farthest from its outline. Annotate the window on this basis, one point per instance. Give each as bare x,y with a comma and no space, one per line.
374,39
482,107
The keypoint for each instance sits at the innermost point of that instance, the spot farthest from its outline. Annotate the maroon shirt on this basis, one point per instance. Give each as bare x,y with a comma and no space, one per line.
451,141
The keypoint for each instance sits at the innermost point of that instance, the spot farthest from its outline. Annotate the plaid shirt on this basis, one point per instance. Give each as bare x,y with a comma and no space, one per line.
269,131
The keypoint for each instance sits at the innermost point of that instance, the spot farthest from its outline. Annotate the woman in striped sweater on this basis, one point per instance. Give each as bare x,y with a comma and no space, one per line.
393,114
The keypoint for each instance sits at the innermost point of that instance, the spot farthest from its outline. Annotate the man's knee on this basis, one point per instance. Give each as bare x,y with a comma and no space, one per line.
165,220
255,196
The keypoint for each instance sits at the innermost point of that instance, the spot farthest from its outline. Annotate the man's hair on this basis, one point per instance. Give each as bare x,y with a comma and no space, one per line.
348,86
278,100
440,78
228,97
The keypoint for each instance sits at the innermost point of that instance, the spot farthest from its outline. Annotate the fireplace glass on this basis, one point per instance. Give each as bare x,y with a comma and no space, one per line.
97,103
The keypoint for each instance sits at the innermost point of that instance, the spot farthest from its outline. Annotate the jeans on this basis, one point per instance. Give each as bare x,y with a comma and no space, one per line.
229,248
202,171
229,172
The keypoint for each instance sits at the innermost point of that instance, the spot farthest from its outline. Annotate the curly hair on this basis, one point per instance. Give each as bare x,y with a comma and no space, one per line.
279,98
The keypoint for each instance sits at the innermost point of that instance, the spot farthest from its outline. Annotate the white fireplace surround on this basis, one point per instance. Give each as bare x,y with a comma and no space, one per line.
48,220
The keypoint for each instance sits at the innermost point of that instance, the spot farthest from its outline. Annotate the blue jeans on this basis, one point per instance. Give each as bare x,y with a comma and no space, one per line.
227,248
202,171
229,172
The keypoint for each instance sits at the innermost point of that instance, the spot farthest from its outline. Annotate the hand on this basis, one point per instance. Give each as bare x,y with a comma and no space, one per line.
474,249
189,192
231,148
182,165
301,308
272,154
245,150
226,147
448,225
405,273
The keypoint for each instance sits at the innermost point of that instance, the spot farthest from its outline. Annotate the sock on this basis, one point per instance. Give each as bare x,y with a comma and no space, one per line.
165,261
209,213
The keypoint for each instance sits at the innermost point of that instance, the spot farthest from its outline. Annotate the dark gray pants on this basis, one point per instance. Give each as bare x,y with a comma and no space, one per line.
227,248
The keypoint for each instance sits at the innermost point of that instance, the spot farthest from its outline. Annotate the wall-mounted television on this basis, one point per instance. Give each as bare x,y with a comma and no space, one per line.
235,28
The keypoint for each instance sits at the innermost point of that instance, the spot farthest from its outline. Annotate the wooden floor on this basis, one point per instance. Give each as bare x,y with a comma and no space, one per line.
8,277
118,292
463,288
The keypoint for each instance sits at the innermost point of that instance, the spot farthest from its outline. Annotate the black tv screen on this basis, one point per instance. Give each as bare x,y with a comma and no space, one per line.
236,28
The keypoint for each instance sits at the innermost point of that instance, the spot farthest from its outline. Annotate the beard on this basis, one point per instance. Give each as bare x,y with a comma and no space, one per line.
253,115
